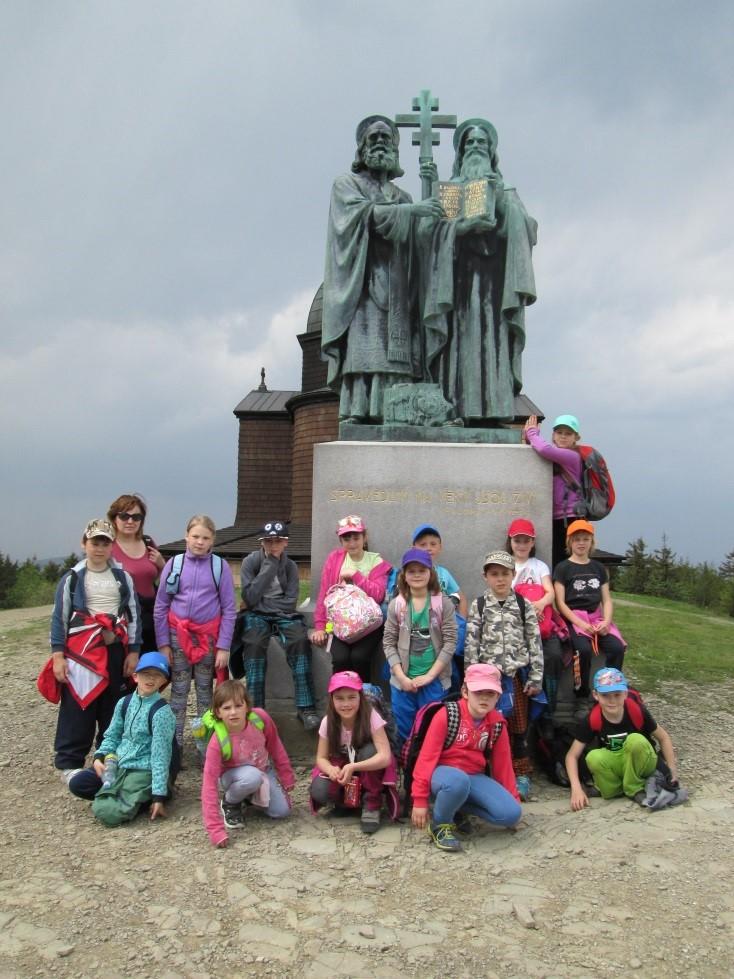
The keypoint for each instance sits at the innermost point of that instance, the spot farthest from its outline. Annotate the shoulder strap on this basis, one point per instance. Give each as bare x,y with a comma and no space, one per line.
634,709
521,605
256,720
480,605
174,577
437,605
454,719
216,566
153,711
125,704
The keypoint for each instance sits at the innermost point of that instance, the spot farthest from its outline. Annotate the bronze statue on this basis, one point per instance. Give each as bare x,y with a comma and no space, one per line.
477,280
371,324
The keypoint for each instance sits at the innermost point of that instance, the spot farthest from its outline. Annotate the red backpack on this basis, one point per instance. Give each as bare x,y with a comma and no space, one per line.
634,704
596,487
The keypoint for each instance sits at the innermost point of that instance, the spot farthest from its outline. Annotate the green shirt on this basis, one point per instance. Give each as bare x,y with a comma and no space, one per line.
422,655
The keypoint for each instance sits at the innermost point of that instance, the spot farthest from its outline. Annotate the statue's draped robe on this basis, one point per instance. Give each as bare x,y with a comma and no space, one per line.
475,290
370,323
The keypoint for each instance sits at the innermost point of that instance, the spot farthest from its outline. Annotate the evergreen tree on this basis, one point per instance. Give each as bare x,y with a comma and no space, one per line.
726,568
663,571
8,574
635,573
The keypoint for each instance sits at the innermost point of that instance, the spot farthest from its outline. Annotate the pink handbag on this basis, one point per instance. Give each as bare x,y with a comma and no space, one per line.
351,612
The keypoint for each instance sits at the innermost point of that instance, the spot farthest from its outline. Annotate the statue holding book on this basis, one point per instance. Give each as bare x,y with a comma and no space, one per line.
477,281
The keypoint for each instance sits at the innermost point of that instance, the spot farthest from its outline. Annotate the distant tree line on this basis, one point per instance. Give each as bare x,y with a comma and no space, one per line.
661,572
28,584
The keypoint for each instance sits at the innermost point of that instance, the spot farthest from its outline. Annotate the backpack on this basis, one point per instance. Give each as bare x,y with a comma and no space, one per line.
391,590
175,765
203,727
597,488
351,612
414,742
383,708
174,578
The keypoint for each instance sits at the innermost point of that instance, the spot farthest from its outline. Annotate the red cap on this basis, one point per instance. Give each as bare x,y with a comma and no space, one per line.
518,527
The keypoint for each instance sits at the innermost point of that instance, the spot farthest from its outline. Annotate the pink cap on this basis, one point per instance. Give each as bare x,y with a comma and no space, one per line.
347,678
483,676
351,525
518,527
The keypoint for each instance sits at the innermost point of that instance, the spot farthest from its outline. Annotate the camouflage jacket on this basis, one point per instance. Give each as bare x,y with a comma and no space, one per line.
499,637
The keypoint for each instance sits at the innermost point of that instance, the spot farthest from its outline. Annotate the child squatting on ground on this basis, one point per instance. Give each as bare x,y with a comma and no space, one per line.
502,631
141,736
95,641
354,762
194,619
625,757
455,776
246,758
419,639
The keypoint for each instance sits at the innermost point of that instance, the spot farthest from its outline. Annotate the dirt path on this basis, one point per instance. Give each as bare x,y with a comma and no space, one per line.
593,894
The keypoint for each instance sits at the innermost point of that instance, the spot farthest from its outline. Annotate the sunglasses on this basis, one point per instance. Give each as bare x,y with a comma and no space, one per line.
135,517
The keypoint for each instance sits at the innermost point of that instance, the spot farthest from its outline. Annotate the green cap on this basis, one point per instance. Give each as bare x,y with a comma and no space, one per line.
570,421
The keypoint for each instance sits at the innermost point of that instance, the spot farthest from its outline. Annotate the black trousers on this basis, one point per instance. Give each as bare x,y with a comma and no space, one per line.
357,656
78,728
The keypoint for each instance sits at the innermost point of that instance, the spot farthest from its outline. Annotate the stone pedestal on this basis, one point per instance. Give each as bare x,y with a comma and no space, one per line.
470,492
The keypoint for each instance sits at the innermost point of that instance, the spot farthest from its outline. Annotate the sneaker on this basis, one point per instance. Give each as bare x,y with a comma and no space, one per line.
234,817
523,787
370,820
560,775
640,797
68,774
591,791
443,835
309,718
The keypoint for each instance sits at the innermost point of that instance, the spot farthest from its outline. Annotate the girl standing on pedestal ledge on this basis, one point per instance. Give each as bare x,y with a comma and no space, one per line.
351,563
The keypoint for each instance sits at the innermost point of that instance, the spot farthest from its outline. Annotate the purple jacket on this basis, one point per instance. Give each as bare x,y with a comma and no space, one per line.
565,497
197,599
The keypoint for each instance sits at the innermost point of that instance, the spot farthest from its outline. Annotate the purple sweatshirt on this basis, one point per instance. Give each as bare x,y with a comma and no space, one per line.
565,497
197,599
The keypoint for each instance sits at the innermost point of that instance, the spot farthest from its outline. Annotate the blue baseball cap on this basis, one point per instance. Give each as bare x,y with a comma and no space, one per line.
417,556
609,680
154,661
425,528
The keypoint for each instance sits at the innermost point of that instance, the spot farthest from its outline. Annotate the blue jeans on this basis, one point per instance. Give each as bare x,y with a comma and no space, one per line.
406,705
478,795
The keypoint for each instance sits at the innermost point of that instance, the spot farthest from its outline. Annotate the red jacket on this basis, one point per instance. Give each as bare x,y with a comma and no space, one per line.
373,584
465,753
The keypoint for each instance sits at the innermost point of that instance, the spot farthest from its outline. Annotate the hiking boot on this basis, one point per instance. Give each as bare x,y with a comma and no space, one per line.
370,820
234,817
523,787
560,775
309,718
640,797
443,835
592,792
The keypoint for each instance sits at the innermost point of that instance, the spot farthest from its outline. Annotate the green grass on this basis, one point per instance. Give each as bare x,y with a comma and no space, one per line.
673,641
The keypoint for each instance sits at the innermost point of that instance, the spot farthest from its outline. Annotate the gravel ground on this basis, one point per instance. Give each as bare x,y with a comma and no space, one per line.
600,893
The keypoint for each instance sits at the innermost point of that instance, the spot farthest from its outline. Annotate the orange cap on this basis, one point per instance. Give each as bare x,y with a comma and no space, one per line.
579,525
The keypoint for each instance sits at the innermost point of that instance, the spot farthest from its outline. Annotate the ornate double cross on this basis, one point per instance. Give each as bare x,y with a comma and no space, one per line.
422,117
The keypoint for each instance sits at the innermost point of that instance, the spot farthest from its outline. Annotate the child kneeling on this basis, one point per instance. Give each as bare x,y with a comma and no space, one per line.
454,775
625,758
141,735
246,757
354,730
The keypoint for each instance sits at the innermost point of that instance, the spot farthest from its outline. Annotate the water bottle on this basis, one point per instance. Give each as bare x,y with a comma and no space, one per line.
110,770
198,729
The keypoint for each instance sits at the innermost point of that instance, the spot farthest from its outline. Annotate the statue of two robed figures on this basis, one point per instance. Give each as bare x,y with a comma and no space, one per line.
424,303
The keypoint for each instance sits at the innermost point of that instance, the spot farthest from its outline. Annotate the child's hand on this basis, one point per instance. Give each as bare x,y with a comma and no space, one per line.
579,799
58,661
130,664
98,766
334,772
157,810
318,637
345,773
221,660
422,681
419,817
407,684
346,577
532,689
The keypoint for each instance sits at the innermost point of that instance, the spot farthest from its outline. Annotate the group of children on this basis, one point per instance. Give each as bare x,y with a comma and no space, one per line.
463,724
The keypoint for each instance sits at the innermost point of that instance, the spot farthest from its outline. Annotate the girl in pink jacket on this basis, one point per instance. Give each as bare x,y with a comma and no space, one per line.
351,563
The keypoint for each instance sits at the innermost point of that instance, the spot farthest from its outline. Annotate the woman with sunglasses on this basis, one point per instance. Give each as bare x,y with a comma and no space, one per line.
138,555
351,563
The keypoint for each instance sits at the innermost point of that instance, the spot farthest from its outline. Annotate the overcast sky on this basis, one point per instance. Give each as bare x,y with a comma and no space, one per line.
166,171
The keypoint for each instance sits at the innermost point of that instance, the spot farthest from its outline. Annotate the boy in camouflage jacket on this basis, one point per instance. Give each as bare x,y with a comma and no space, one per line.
497,632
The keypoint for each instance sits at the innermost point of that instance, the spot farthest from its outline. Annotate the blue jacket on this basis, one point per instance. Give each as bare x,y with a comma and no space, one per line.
65,603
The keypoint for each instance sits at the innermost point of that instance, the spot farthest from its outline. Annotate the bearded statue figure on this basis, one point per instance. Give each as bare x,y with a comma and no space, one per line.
371,335
477,279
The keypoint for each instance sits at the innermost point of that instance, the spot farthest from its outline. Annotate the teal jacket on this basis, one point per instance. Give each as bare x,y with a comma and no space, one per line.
135,747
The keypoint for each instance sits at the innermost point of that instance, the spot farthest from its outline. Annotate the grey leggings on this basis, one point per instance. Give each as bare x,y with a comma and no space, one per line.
181,683
241,782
